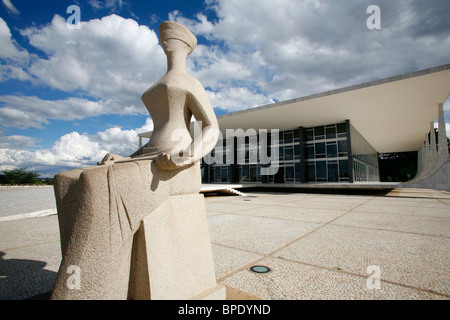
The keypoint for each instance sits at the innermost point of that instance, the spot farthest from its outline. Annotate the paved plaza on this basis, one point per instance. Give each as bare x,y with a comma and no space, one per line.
20,202
317,245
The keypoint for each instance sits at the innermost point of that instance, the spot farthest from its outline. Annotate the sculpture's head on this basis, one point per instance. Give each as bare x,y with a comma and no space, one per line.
170,30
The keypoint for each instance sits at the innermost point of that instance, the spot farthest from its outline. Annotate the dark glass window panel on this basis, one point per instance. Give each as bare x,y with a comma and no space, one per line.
258,173
253,175
331,132
309,135
343,169
310,151
342,147
311,171
296,135
319,131
341,130
288,138
244,175
333,172
298,171
320,148
224,173
289,154
217,173
321,170
332,150
297,151
290,173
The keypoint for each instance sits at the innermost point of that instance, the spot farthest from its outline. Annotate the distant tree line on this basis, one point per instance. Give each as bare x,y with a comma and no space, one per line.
22,176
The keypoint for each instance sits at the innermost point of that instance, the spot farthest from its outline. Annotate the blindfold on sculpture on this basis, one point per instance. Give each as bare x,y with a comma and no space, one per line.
174,30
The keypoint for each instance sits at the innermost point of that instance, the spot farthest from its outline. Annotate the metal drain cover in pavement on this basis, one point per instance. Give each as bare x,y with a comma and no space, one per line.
260,269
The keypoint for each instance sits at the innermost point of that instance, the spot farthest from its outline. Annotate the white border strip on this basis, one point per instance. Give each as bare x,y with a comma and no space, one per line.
27,215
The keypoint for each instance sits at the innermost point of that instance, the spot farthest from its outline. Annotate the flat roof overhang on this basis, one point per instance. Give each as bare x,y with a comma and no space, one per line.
392,114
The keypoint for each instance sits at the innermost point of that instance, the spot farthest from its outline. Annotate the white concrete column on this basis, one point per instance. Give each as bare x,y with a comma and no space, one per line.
443,146
433,148
426,157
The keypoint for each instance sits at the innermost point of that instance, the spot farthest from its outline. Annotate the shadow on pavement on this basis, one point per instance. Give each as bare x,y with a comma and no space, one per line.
24,279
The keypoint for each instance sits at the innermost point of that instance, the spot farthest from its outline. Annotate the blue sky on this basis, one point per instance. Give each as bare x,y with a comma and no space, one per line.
68,96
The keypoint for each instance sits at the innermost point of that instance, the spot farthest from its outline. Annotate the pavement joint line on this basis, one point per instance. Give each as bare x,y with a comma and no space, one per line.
29,246
312,207
390,230
362,276
408,206
274,218
232,212
216,213
406,214
448,205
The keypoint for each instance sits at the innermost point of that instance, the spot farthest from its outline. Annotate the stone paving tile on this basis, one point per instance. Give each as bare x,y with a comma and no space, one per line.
409,202
289,280
418,261
294,213
213,213
443,212
16,200
259,235
29,232
229,206
353,199
425,224
228,259
319,204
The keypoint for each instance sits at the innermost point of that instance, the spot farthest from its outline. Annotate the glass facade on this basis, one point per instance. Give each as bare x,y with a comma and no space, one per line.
248,163
328,153
221,171
365,158
289,158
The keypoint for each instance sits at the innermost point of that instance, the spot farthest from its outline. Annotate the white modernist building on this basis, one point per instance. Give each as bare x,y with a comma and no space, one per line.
335,137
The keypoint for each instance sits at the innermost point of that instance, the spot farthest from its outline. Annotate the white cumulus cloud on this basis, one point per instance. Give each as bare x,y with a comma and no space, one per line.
110,59
72,150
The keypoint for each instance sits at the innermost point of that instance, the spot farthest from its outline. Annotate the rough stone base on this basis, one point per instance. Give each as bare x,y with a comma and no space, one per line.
172,255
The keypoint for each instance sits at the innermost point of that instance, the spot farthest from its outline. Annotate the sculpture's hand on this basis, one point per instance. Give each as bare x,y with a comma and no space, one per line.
166,161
